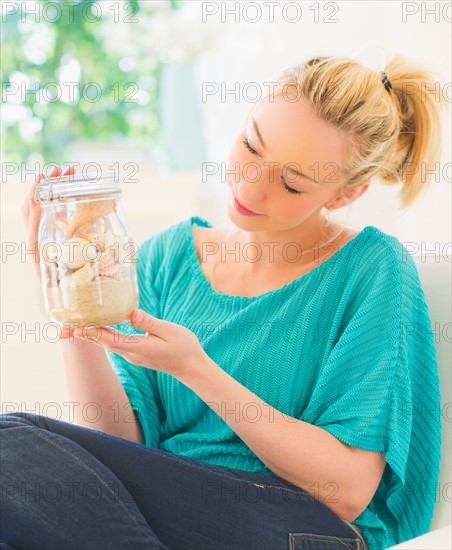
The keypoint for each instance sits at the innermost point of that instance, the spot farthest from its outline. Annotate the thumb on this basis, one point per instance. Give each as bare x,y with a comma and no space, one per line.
146,322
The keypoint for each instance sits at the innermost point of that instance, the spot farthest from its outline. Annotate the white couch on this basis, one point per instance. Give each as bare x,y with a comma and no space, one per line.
31,370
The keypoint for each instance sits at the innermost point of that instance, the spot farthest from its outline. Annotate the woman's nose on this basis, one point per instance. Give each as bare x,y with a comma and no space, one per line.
252,184
250,192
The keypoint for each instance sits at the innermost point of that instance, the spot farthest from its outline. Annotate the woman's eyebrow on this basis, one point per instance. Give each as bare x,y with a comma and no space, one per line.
258,134
291,170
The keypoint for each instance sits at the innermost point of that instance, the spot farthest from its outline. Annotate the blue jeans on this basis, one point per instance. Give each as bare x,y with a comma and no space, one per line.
66,487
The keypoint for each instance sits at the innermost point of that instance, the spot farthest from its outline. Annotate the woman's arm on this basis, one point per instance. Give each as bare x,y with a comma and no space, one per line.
91,380
344,478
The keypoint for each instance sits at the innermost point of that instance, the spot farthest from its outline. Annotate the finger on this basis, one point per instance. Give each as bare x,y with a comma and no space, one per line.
34,218
31,218
55,172
32,211
29,198
152,325
109,338
129,346
70,171
29,201
66,332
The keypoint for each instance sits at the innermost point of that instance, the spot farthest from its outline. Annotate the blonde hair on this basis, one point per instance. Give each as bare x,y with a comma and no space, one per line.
393,134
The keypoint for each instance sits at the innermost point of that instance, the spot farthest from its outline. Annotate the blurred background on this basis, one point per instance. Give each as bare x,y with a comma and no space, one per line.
158,90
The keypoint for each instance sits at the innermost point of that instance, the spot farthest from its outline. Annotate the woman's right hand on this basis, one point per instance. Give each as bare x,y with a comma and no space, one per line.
31,215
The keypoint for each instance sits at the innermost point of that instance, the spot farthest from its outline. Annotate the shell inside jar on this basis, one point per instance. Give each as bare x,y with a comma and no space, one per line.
87,279
85,212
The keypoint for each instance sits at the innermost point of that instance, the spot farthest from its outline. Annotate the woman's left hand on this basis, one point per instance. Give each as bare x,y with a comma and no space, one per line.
167,347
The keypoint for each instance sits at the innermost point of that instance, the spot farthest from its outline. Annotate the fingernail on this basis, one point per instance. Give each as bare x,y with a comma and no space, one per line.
138,317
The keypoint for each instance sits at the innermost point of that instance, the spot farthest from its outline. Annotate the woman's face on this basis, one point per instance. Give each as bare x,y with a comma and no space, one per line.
283,137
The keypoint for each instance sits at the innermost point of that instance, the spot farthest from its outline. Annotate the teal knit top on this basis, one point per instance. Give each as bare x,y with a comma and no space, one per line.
347,347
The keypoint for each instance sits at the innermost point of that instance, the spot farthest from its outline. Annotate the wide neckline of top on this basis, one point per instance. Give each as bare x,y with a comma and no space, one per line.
201,277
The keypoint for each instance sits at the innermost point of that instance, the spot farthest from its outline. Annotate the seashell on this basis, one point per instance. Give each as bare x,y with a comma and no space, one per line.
99,225
86,212
82,276
109,239
99,239
87,236
92,253
123,250
74,252
105,262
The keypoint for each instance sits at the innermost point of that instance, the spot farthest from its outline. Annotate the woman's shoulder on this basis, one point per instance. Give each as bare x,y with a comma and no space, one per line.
379,246
171,243
386,260
168,237
400,253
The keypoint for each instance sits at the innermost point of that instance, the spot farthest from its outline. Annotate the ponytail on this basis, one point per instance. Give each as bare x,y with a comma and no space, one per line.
418,99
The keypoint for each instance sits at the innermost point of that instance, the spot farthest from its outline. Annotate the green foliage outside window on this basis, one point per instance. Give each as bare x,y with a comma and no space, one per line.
108,97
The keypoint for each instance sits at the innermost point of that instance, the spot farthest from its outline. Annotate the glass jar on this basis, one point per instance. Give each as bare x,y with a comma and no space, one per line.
87,255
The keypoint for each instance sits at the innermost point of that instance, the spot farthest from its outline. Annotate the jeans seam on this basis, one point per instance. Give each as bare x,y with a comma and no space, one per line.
361,537
80,462
220,472
280,488
228,476
343,540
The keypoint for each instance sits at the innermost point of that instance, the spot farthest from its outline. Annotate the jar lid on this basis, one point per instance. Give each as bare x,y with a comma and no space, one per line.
78,185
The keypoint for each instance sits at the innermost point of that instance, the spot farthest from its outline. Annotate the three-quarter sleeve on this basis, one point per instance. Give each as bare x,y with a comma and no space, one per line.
379,388
140,383
353,395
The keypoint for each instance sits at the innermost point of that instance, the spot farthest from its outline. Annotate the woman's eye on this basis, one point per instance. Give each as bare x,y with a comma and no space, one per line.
253,152
248,146
290,189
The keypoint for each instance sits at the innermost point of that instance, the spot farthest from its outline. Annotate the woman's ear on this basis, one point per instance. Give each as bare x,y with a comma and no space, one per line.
348,196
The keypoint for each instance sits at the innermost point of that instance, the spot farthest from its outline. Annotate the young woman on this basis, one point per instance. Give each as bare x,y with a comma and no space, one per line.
277,387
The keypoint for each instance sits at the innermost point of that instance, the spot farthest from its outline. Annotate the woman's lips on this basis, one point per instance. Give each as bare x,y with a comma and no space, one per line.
242,209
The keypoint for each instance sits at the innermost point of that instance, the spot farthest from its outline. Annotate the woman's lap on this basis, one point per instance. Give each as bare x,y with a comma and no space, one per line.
62,482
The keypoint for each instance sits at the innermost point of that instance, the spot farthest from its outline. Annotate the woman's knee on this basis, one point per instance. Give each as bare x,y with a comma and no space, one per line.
16,419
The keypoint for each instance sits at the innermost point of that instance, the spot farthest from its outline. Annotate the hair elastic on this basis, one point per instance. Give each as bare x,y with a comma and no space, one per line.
385,80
